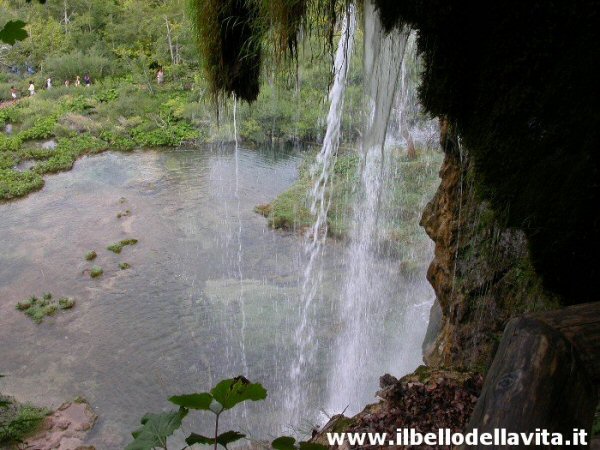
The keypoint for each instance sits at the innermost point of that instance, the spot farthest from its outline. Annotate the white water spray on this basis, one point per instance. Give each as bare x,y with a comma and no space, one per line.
240,250
374,306
305,334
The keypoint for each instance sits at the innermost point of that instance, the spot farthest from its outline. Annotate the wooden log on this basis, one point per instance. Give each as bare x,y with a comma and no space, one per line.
543,376
580,324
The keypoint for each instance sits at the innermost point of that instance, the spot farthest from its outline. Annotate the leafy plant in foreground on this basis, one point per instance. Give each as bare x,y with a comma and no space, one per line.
156,428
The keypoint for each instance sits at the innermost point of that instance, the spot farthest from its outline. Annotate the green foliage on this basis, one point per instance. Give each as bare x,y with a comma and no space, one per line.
96,271
66,303
68,66
227,394
155,430
223,439
124,266
15,184
91,255
289,443
41,129
412,185
167,135
290,210
224,396
8,114
118,247
37,309
17,421
13,31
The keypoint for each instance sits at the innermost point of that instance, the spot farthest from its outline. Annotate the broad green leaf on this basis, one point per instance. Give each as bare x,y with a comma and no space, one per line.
236,390
223,439
193,401
284,443
155,430
13,31
289,443
199,439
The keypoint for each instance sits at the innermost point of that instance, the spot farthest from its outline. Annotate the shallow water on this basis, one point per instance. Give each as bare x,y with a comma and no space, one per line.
211,289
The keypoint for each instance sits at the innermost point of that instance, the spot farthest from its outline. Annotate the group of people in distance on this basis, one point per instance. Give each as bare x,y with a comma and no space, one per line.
87,82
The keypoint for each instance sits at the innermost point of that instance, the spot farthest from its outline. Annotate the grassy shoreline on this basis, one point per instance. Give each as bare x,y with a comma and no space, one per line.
83,121
414,183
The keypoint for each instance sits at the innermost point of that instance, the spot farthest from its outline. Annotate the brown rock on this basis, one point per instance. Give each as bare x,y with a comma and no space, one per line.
65,429
481,272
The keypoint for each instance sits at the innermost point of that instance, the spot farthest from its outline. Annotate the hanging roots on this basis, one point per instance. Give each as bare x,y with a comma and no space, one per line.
229,40
233,34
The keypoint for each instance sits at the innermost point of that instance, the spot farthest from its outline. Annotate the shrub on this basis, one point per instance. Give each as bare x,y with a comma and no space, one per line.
68,66
18,421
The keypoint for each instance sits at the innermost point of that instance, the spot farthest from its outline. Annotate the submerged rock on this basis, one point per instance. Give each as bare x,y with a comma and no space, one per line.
49,145
65,429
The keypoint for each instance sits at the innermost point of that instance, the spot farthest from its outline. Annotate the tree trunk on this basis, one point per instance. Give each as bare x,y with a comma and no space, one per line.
544,376
170,40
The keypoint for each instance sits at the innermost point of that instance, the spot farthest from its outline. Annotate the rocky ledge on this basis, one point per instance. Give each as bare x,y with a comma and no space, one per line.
64,429
426,400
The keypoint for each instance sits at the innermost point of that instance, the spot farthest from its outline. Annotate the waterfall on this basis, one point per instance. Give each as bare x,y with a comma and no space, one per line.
240,250
376,308
304,336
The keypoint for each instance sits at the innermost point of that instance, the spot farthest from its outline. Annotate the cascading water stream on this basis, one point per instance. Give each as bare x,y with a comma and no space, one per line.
240,250
372,310
304,336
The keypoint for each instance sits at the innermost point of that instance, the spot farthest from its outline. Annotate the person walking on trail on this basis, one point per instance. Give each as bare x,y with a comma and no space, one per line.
67,83
87,80
160,76
49,83
31,89
77,81
13,92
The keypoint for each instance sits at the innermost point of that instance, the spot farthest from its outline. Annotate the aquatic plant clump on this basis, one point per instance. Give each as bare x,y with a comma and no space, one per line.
125,213
66,303
96,271
118,247
91,255
124,266
37,309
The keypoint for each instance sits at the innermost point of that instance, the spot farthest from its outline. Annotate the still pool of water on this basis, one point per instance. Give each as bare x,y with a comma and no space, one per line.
212,291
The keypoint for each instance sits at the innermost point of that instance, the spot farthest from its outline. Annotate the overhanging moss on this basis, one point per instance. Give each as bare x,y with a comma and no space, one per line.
229,39
234,35
516,79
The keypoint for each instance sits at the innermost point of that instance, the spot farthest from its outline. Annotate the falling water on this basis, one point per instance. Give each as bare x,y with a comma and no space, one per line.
374,305
240,250
315,238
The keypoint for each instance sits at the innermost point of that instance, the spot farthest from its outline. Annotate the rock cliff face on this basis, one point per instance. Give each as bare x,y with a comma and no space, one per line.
481,272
